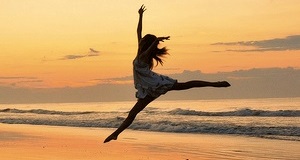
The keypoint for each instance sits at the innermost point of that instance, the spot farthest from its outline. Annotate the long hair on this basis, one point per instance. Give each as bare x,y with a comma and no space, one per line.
157,54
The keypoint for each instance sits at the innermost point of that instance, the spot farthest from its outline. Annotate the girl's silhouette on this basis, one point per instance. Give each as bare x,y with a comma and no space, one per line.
149,84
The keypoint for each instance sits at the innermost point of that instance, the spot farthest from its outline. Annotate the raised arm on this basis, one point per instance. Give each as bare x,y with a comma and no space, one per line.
140,24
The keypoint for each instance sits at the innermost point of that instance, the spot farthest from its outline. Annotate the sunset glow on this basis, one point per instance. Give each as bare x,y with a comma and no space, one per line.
45,44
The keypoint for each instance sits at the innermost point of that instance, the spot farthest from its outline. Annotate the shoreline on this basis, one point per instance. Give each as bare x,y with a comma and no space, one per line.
24,142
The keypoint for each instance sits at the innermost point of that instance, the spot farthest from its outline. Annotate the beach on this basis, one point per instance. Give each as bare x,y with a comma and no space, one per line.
200,80
27,142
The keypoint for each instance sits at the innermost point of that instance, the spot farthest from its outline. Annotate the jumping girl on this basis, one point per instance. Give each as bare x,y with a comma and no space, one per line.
149,84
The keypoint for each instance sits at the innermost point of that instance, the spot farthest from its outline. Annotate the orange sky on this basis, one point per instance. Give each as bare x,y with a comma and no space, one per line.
36,37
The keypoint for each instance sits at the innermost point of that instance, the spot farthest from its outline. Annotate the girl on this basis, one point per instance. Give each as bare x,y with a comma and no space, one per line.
149,84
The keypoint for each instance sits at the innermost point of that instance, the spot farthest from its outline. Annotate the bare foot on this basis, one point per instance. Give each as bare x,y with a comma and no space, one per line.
222,84
111,137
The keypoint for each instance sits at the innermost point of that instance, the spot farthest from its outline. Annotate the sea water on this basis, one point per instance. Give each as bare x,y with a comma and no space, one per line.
274,118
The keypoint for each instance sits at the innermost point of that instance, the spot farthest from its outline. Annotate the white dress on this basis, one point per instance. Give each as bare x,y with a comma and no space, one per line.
148,82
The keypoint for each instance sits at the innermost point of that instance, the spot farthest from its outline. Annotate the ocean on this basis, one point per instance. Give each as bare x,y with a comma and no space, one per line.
272,118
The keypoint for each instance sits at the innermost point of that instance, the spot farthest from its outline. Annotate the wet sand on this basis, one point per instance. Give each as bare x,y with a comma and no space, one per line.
30,142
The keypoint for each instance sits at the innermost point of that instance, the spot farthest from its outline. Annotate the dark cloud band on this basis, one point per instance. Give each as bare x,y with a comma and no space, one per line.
276,44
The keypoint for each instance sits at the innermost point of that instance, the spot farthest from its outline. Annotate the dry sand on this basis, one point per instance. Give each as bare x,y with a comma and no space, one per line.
20,142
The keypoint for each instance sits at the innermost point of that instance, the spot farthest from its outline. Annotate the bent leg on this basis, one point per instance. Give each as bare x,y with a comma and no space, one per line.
139,106
193,84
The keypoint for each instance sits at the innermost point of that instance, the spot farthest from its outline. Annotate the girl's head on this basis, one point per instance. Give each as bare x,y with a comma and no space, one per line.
156,54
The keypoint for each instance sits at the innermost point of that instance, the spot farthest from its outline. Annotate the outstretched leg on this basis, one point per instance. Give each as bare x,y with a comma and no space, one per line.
193,84
139,106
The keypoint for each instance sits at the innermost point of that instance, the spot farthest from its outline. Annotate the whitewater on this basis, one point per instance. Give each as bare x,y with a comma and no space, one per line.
274,118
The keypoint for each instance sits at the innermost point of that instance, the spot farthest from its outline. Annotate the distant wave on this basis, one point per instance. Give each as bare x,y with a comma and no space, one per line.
211,128
42,111
178,111
242,112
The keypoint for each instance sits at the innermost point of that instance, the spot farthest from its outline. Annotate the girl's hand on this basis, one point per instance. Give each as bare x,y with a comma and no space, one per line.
163,38
142,9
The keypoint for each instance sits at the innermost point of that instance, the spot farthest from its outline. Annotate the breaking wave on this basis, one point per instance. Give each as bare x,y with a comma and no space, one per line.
177,121
241,112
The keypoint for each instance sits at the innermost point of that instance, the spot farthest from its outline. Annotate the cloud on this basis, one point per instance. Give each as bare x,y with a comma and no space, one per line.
25,83
68,57
18,81
117,80
32,81
251,83
91,53
276,44
167,69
